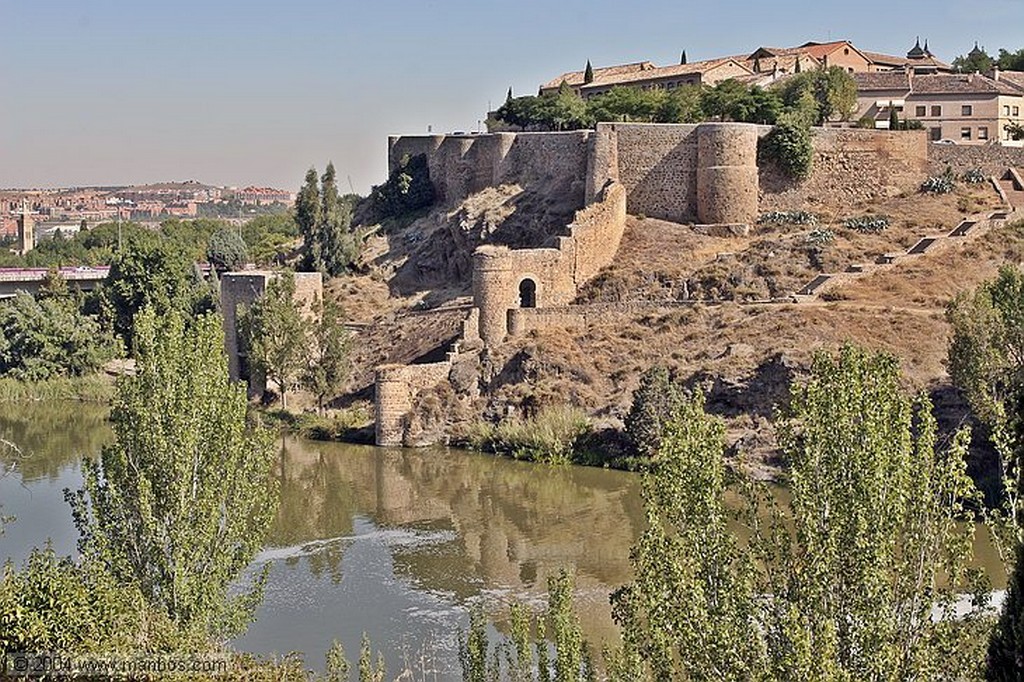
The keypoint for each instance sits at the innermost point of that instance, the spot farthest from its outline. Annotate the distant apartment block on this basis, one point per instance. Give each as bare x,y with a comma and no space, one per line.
263,196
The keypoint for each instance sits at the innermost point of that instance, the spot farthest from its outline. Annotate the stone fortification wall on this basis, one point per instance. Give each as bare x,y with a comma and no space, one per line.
991,159
396,388
850,165
553,275
463,164
726,173
242,288
657,165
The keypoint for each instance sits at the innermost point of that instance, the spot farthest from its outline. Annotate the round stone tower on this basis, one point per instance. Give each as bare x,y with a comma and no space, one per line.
493,291
726,173
393,398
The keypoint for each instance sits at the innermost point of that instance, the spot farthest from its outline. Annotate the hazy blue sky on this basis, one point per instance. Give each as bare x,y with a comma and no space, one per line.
119,91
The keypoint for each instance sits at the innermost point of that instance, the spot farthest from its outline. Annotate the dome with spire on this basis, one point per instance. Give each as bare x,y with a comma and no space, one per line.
917,52
977,51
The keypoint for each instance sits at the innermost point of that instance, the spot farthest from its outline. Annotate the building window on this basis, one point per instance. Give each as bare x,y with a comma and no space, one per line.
1006,110
920,109
1016,111
936,110
966,110
846,50
850,69
965,133
936,134
982,133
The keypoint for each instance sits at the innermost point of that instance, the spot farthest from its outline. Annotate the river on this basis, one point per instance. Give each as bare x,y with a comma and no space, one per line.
394,543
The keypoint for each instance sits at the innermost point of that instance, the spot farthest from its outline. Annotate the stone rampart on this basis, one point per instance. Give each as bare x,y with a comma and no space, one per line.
396,388
849,165
505,279
991,159
726,173
463,164
241,289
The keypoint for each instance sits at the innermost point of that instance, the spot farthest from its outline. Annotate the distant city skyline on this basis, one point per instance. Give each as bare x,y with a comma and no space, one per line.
108,92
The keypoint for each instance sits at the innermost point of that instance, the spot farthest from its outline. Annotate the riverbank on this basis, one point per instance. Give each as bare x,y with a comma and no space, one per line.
93,388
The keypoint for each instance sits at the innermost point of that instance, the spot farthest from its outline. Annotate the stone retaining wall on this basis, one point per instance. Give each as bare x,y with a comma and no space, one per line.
991,159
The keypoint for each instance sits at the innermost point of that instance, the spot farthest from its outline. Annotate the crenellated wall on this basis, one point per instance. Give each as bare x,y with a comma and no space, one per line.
463,164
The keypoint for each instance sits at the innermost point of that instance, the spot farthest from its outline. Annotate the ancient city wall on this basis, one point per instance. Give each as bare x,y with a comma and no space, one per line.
553,275
991,159
463,164
242,288
849,165
657,165
396,387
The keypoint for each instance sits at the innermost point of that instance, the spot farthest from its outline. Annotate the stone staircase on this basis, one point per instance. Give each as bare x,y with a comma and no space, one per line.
1012,185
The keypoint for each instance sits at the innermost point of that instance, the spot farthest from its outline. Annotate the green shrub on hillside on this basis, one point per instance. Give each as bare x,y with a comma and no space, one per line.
789,146
408,189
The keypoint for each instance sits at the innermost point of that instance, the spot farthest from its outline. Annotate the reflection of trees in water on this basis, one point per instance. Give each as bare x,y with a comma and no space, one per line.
52,435
514,524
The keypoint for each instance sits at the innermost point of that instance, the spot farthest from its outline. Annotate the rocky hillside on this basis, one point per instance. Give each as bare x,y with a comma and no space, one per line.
717,311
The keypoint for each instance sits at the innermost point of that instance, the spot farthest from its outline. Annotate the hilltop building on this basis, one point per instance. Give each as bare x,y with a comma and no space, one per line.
963,108
762,66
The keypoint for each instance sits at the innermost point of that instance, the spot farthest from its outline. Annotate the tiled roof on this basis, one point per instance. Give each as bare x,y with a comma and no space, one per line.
891,60
613,76
605,72
960,83
1013,78
821,50
882,80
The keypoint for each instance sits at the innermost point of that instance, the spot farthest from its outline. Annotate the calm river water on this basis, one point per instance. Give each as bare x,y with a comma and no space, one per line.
394,543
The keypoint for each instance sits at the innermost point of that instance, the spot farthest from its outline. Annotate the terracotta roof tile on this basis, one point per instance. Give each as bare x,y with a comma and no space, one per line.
1013,78
576,77
882,80
960,83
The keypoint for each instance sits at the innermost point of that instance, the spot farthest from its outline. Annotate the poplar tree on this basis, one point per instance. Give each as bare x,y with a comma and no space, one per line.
180,503
326,358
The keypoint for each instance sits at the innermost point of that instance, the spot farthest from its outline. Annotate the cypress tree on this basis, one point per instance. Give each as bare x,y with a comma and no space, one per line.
588,73
682,57
894,118
307,215
508,96
334,223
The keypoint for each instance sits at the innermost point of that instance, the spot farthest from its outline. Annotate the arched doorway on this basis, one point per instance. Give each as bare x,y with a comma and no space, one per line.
527,294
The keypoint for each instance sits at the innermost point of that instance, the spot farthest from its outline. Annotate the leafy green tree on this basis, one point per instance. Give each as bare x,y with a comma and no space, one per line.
408,189
820,95
863,572
977,60
179,504
1011,61
682,105
567,109
1005,662
656,403
1016,131
54,286
879,551
49,337
690,612
986,362
788,144
308,214
58,605
337,244
327,348
273,334
147,274
894,118
226,251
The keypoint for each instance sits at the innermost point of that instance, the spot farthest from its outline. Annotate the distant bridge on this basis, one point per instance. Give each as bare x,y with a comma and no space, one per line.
28,280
